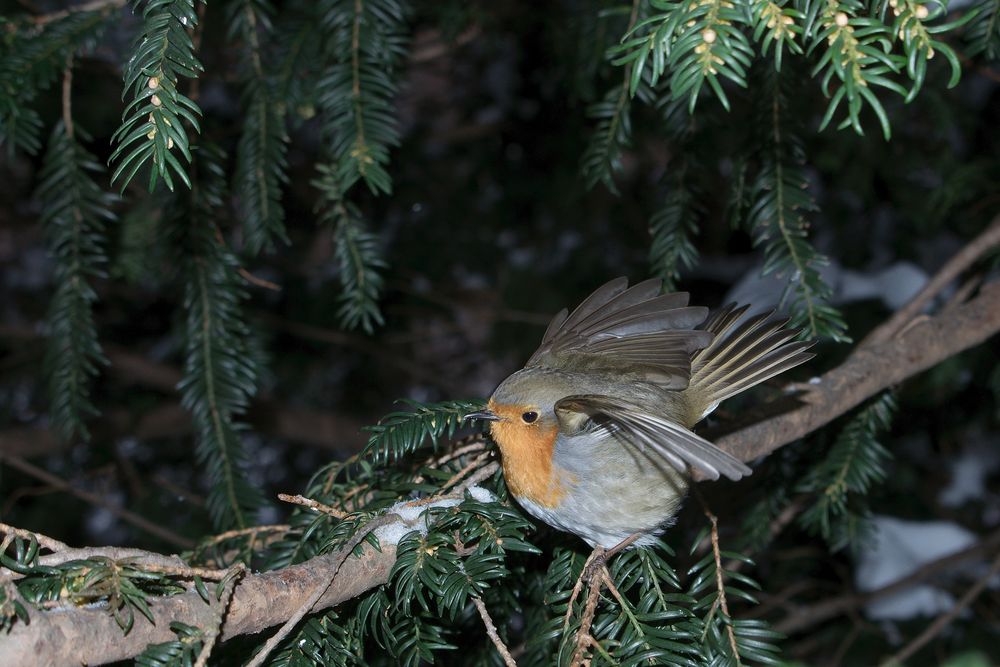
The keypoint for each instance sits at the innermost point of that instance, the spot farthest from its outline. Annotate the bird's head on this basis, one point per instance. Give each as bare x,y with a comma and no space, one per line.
522,414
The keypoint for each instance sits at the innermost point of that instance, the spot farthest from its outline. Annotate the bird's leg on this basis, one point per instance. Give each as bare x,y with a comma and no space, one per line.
595,574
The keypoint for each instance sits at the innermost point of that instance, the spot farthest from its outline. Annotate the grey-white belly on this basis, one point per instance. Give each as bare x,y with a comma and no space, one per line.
612,492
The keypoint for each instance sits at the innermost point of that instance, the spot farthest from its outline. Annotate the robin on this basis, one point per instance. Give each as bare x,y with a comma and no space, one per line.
595,431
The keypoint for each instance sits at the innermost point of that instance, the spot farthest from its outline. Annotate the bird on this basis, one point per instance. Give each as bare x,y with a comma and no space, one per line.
595,432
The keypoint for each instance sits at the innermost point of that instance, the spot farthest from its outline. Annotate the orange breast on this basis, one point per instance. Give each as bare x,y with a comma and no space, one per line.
527,456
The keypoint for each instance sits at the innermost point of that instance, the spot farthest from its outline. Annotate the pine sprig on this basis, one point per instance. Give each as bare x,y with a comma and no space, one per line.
855,463
31,59
672,228
612,134
696,41
261,162
401,433
367,43
220,373
776,219
75,213
323,640
121,587
777,24
180,652
649,622
913,29
359,257
724,640
983,33
154,118
855,49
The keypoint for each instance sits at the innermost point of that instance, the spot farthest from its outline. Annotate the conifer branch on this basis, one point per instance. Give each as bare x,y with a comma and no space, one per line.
601,160
366,48
75,212
983,34
220,373
359,258
672,229
30,62
261,162
780,200
154,118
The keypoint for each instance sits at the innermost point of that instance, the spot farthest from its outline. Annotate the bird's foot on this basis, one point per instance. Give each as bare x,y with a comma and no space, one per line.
595,574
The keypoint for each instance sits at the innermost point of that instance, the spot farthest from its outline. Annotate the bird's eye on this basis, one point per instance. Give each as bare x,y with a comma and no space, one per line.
529,416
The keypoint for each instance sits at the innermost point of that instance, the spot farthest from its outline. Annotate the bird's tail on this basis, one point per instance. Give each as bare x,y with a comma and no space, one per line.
741,355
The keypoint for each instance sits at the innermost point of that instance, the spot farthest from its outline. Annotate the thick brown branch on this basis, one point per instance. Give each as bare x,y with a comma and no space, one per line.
869,370
965,258
91,636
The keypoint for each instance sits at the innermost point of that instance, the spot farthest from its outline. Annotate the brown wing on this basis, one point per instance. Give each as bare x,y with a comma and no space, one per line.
620,328
636,424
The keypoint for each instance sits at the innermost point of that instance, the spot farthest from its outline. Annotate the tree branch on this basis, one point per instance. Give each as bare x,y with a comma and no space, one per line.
869,370
91,636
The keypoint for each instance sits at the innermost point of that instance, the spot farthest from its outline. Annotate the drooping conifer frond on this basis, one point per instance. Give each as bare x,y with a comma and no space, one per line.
31,58
220,372
694,42
261,162
180,652
153,123
359,257
724,640
75,213
983,32
672,228
612,134
777,218
366,45
855,463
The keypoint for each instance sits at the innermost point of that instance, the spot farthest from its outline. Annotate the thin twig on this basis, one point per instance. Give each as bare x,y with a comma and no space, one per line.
49,543
801,618
491,632
240,532
584,639
67,96
942,621
485,472
313,505
259,282
93,6
236,572
472,465
962,260
318,592
720,586
126,515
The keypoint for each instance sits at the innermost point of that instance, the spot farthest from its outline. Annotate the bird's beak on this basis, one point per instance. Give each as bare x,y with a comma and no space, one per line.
485,415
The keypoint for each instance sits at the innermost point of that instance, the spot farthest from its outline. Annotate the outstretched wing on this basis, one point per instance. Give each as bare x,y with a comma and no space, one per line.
677,445
635,329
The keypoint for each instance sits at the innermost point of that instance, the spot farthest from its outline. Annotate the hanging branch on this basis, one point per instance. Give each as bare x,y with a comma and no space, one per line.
261,162
75,213
220,372
780,201
154,118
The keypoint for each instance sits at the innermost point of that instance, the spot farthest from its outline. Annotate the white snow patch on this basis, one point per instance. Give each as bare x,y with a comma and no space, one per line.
482,495
413,516
894,286
900,548
969,471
